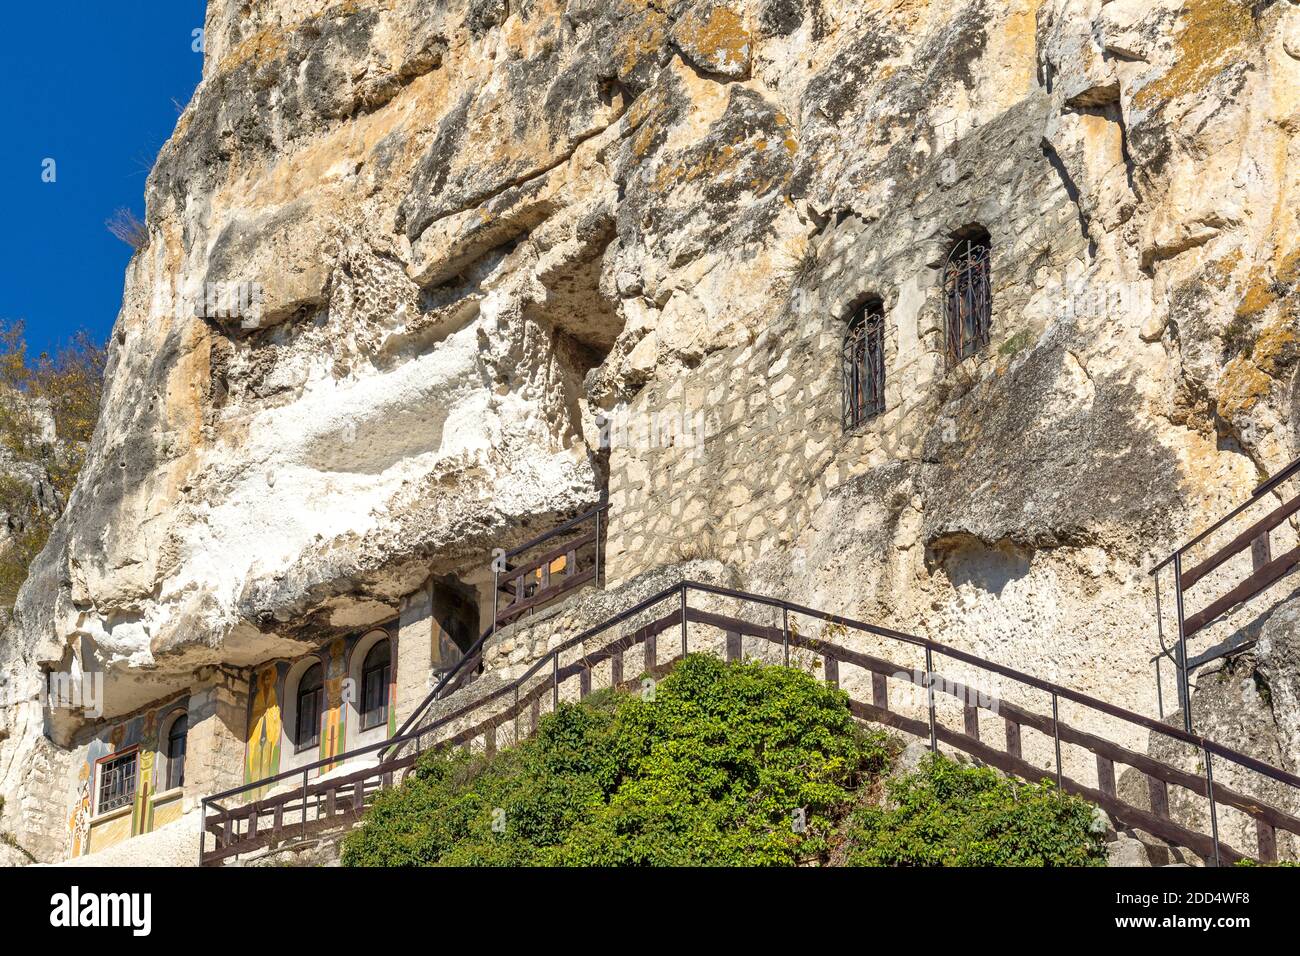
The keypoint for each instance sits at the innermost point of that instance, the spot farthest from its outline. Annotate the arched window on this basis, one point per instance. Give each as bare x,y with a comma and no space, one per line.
375,673
311,694
864,364
175,752
968,298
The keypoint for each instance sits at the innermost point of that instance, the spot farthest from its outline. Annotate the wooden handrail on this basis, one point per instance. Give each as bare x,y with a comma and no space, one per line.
1156,820
1256,584
1240,543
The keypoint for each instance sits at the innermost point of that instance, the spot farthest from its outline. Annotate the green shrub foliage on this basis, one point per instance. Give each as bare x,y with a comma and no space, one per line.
728,764
947,814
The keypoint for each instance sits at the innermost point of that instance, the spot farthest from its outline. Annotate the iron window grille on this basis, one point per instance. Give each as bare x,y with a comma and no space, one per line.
864,365
375,674
311,693
177,735
968,299
117,776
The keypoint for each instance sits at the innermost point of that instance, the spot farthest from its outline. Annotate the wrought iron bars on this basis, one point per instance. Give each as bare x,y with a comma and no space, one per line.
968,298
863,364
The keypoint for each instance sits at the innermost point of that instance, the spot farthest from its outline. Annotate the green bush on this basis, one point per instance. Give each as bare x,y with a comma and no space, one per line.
711,771
947,814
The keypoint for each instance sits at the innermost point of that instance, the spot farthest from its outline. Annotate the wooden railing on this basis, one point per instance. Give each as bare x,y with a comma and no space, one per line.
1266,572
571,559
337,803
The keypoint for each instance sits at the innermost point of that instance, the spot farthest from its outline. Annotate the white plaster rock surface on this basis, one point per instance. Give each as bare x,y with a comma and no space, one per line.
476,223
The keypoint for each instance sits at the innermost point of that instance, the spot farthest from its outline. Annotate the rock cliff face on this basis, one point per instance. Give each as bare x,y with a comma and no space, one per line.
404,254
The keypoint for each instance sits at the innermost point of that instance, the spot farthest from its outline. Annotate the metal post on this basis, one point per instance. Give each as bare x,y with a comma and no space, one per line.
304,804
1209,792
203,831
496,594
929,693
597,549
785,634
683,609
1186,685
1056,736
555,681
1160,638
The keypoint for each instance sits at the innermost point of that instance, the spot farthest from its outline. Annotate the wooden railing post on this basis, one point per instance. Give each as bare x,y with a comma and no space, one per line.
1158,790
1013,738
1267,837
1106,775
971,720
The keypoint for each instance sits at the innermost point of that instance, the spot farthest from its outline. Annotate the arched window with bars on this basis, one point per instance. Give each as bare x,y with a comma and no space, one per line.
863,364
375,675
311,697
177,739
968,297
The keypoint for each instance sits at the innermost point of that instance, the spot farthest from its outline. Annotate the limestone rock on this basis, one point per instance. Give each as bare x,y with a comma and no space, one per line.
1126,851
478,231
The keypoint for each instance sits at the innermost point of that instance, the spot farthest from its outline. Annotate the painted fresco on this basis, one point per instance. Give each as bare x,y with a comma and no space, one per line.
166,811
84,808
87,834
392,687
109,832
334,720
262,757
142,809
266,715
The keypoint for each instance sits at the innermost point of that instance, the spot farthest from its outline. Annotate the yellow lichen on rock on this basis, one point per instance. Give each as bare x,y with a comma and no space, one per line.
1243,385
643,42
1274,343
718,41
263,47
1213,31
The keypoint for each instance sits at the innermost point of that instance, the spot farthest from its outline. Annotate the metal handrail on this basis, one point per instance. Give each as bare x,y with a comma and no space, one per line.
1179,652
786,638
787,607
1065,693
559,529
1285,474
477,646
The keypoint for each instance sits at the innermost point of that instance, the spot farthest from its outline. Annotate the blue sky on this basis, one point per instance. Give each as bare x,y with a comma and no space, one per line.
91,87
